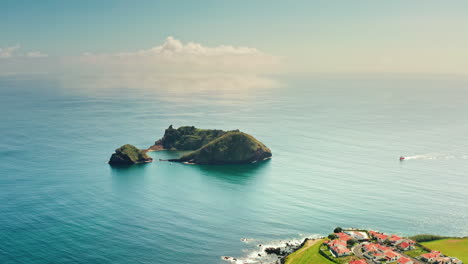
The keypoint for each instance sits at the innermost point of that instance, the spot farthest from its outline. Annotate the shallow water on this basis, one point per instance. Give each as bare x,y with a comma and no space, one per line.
335,141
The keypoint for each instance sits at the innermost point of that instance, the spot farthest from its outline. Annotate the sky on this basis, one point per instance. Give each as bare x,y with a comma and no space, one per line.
329,36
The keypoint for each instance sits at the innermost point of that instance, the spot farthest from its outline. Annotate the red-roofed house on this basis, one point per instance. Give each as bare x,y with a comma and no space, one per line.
391,256
405,246
340,251
336,243
381,237
343,236
359,261
394,239
382,248
404,260
370,247
429,257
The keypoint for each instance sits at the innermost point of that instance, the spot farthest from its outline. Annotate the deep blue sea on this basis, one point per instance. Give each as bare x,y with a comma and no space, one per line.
335,140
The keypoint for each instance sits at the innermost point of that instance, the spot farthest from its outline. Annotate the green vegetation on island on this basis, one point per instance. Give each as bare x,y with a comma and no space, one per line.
128,155
188,137
231,148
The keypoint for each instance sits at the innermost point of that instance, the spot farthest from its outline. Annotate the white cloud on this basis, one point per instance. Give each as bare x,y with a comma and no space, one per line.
36,54
173,67
173,56
14,52
8,52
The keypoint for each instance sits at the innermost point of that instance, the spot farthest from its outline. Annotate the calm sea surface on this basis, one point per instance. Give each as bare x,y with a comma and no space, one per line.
335,142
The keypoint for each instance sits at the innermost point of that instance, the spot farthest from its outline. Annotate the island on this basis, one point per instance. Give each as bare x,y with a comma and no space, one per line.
212,147
129,155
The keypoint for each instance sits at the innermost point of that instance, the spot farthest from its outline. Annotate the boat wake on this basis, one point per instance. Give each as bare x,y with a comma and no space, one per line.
256,251
435,156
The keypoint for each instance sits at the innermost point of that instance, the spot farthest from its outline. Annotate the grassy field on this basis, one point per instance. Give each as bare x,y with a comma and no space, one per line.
309,253
418,251
454,247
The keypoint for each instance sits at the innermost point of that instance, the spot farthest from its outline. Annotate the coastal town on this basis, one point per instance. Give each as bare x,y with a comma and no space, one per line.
371,247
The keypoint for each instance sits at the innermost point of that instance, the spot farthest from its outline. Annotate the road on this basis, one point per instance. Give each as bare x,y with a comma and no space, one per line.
357,250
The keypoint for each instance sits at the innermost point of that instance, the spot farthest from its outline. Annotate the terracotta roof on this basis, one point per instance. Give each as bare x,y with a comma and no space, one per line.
337,242
432,254
343,236
382,248
381,236
359,261
404,244
390,254
370,247
395,238
403,260
340,250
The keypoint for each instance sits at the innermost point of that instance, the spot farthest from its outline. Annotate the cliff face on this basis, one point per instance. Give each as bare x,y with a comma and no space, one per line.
188,137
128,155
231,148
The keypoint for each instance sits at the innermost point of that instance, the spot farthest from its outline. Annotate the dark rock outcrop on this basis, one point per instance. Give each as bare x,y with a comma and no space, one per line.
128,155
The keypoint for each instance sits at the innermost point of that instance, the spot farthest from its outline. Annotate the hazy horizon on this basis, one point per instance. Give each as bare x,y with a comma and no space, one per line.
167,38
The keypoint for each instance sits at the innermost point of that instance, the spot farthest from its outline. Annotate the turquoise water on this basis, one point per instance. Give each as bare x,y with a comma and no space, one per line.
335,142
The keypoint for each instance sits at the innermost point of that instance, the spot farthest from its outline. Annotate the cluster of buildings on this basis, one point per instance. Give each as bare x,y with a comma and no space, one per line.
383,249
378,252
399,242
339,246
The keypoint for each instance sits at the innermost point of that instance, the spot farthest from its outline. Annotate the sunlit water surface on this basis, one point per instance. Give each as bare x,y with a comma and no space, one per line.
335,142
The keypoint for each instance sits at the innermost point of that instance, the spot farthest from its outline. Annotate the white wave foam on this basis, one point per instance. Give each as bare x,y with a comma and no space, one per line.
435,156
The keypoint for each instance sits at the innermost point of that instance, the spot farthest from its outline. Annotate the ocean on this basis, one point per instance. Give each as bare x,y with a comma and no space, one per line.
336,143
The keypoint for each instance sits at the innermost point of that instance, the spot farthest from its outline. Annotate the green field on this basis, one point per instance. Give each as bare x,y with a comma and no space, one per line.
309,253
418,251
454,247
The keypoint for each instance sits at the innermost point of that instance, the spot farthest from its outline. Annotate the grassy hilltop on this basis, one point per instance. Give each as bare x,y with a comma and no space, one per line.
231,148
188,137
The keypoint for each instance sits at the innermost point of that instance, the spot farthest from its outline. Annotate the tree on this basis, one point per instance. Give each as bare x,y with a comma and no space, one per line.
387,242
338,230
332,236
351,242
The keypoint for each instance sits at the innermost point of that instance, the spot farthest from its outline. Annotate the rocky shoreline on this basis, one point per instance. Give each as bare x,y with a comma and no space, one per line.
271,254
